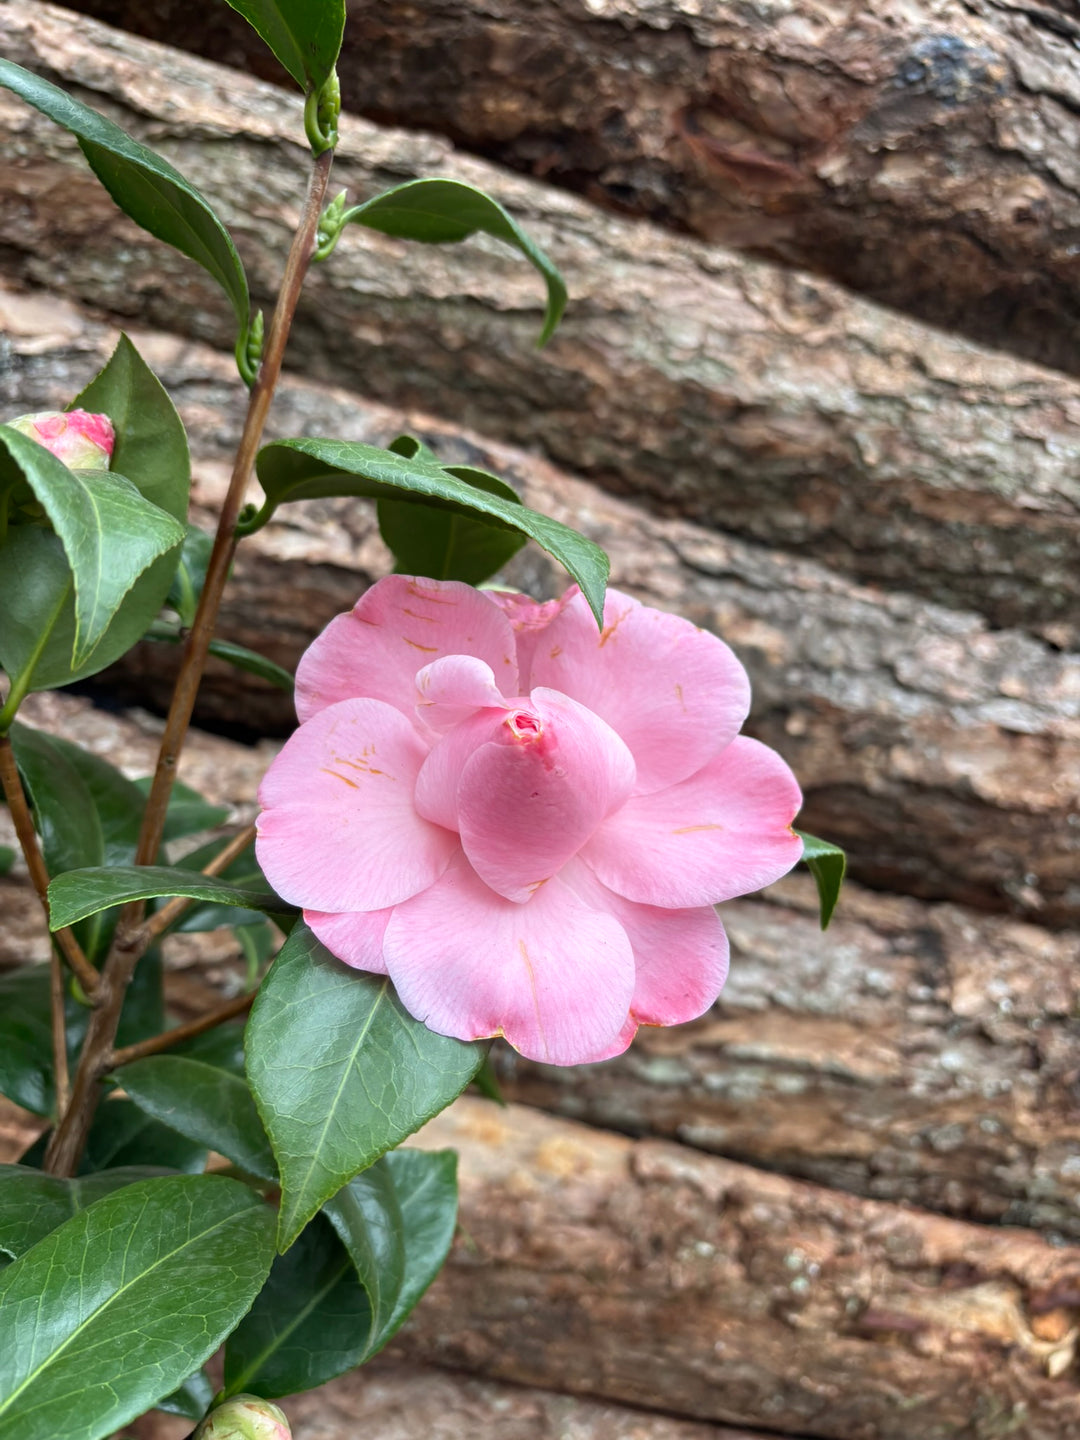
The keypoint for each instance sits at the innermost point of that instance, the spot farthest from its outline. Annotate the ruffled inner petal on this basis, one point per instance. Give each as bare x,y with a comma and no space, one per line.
676,694
530,797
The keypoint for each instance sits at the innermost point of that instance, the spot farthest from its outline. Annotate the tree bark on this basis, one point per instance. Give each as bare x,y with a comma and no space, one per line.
923,154
944,754
645,1273
729,391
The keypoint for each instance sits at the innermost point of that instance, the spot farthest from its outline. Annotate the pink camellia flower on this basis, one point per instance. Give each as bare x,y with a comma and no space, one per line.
81,440
523,820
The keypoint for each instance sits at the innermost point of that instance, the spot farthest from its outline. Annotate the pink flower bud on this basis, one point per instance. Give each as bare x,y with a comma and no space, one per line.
245,1417
81,440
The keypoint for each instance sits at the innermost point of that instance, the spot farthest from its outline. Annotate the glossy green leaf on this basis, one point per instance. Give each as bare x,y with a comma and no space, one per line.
222,1047
110,533
26,1053
87,813
190,575
116,1308
188,812
65,811
311,469
65,815
367,1217
311,1321
305,35
145,186
440,212
37,620
151,447
244,872
827,863
26,1056
191,1400
425,1183
33,1204
440,543
207,1104
83,892
122,1135
143,1014
241,658
118,804
341,1073
38,623
117,801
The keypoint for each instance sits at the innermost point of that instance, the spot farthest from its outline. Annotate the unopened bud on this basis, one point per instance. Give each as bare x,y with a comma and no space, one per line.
81,440
245,1417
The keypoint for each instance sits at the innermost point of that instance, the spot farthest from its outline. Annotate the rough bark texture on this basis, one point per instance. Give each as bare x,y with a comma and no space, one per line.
681,1282
730,391
944,754
922,153
915,1052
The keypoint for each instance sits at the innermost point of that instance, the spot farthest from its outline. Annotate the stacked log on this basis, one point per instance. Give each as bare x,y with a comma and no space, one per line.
922,152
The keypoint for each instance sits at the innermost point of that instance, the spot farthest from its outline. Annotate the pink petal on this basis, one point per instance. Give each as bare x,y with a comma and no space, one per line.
436,796
676,694
530,618
530,798
554,976
355,936
724,832
681,956
620,1044
339,830
454,688
400,625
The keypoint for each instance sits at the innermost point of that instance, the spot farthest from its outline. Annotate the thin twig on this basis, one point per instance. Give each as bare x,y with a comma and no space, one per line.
59,1035
17,803
69,1137
169,1038
217,571
163,918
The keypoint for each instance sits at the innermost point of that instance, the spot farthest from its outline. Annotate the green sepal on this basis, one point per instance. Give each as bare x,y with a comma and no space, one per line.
828,864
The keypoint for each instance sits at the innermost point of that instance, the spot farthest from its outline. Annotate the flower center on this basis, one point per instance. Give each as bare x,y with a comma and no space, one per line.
524,727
